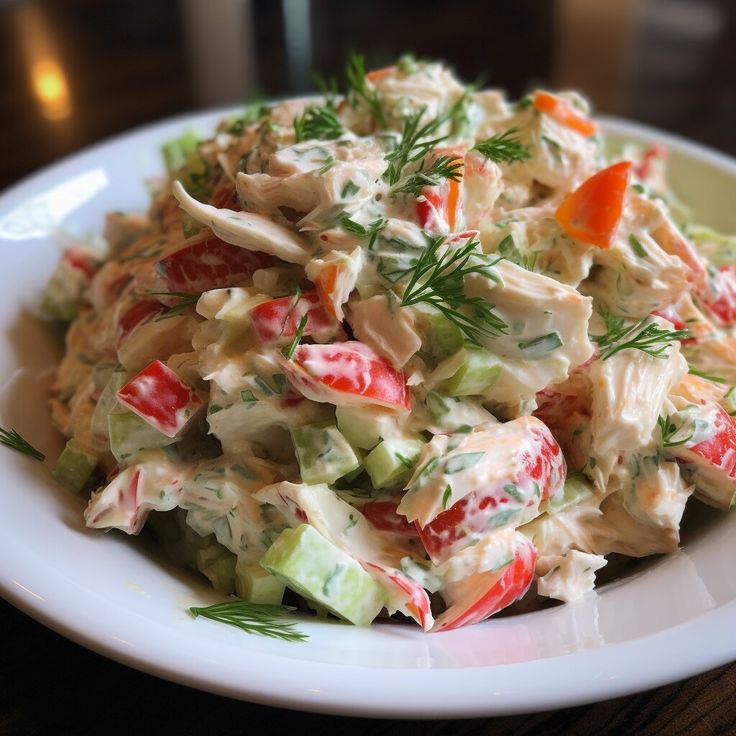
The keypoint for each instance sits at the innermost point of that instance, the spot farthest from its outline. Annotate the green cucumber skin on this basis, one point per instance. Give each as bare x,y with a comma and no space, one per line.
75,466
478,372
313,567
323,453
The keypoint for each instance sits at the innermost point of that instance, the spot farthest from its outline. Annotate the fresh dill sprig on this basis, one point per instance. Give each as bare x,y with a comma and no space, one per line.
439,281
414,145
186,300
503,148
702,374
289,350
357,89
669,430
319,123
416,142
15,442
445,167
644,335
253,618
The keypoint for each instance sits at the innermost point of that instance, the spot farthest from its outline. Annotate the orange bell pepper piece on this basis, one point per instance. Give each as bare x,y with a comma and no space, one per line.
563,112
591,213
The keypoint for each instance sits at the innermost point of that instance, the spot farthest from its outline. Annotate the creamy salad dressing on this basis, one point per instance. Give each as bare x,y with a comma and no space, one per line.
448,311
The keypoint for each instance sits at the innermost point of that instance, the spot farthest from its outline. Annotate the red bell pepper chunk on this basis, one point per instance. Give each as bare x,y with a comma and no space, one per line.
439,207
644,168
539,465
480,595
591,213
383,516
563,112
135,316
82,261
277,321
718,298
160,397
347,373
206,264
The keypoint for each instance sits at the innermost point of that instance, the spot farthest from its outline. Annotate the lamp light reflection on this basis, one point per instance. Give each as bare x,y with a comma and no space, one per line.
47,79
50,88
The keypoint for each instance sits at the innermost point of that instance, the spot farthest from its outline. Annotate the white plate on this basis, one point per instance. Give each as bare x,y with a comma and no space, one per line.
672,619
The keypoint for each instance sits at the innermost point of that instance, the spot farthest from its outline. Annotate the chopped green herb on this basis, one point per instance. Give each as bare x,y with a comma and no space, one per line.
15,442
463,461
670,432
186,300
707,376
637,247
350,189
540,347
446,496
289,350
253,618
248,396
512,490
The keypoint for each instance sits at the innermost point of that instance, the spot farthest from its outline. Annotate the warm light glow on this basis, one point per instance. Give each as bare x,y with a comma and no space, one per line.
51,89
46,75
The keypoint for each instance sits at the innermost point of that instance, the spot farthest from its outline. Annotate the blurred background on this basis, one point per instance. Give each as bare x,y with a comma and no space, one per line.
75,71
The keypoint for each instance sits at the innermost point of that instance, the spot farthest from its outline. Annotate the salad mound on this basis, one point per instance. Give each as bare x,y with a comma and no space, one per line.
412,349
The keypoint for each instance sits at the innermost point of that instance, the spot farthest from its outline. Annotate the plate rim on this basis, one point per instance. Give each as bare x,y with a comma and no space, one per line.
617,682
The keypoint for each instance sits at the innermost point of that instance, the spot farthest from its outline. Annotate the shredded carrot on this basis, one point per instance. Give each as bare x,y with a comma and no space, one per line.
563,112
325,287
378,74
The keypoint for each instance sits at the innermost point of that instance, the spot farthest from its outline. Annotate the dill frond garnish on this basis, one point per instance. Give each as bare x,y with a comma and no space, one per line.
319,123
645,335
439,281
15,442
503,148
444,168
253,618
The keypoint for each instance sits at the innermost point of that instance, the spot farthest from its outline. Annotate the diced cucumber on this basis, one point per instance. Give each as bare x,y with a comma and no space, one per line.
576,489
451,413
177,150
207,553
75,465
255,585
221,573
365,426
313,567
129,434
62,296
478,371
108,400
728,402
445,337
323,453
392,461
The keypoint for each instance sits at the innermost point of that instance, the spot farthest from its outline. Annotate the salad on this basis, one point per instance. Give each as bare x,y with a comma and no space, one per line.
410,349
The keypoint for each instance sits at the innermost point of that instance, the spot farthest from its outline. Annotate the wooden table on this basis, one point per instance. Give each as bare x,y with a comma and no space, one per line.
74,72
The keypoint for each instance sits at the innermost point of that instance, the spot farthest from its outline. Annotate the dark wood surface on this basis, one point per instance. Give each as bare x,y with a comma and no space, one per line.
668,63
